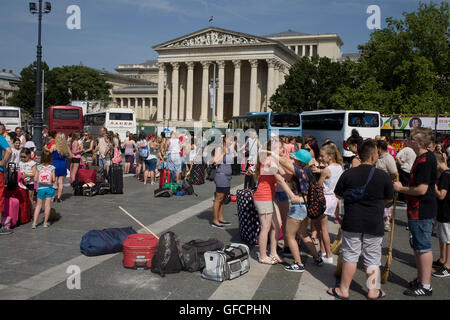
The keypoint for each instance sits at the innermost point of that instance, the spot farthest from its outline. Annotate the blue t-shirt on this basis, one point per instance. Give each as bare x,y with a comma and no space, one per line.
3,146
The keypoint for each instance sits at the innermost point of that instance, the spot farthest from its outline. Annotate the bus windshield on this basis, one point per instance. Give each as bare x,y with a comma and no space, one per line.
66,114
363,120
285,120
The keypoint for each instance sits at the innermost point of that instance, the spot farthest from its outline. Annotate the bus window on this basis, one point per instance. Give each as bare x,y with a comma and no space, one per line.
363,120
323,122
121,116
66,114
9,113
285,120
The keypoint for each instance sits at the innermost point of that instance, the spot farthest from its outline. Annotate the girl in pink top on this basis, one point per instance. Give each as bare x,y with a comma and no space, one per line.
76,155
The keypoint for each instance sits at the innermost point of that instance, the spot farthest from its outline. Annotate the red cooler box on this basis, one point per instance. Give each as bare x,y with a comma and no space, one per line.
138,250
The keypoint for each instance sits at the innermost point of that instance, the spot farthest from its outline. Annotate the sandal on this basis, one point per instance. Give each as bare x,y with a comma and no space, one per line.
380,295
276,259
267,260
335,294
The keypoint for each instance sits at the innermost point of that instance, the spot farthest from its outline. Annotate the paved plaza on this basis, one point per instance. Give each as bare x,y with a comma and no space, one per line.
34,263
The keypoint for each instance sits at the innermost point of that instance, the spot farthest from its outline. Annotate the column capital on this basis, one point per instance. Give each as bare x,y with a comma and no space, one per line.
237,63
175,65
190,65
205,64
221,64
253,63
161,66
271,63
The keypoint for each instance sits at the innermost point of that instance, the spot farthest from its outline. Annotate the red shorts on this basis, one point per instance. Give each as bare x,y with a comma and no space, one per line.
2,191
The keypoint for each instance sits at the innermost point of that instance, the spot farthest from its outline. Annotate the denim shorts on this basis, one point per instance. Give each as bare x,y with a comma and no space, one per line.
298,211
421,234
150,165
281,197
46,192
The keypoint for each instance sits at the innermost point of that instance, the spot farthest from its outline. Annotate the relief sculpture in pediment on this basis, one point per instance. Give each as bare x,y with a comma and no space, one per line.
213,38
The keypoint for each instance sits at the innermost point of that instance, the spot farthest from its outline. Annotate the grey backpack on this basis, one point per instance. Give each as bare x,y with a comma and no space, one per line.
227,264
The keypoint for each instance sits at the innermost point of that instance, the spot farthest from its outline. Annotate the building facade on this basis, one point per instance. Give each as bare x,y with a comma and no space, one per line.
9,83
248,69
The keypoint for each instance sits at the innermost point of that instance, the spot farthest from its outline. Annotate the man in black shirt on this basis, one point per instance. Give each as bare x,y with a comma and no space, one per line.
363,226
421,209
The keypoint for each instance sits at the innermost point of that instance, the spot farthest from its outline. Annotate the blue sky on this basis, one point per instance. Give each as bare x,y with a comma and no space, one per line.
117,32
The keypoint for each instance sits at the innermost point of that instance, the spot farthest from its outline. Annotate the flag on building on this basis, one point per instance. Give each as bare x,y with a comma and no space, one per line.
211,18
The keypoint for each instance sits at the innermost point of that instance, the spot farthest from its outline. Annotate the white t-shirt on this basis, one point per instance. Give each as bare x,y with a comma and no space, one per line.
386,162
252,150
27,168
174,146
330,183
407,156
15,156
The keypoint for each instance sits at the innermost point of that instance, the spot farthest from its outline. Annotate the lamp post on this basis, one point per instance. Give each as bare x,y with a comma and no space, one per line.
37,121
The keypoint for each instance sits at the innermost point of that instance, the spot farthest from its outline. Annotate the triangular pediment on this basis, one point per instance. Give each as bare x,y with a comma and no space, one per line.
213,37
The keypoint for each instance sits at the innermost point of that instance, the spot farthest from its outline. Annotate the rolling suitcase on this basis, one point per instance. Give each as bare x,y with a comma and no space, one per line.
10,214
116,179
248,217
138,251
24,203
87,175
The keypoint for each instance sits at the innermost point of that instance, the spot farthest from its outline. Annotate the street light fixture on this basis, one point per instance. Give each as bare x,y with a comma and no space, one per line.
37,121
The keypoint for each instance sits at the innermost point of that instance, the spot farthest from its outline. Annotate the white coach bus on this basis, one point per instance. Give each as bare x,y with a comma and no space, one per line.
117,120
11,117
337,125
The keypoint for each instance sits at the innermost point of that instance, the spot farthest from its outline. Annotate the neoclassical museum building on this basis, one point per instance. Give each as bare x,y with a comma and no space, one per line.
175,90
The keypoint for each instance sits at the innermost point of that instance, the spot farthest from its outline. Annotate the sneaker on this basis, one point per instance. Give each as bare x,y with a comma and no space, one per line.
287,252
318,261
33,226
442,273
414,283
225,223
218,226
295,267
437,264
46,224
327,260
5,231
418,291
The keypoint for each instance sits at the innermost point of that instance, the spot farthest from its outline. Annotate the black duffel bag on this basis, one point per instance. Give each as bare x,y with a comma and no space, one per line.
193,253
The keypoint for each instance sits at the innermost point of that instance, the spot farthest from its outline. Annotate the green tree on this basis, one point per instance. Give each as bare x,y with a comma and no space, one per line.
25,96
409,62
310,84
69,83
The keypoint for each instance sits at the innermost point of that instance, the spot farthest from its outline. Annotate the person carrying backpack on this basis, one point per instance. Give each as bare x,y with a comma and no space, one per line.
45,177
298,193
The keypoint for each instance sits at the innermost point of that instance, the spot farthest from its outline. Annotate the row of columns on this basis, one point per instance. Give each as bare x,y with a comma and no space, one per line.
175,97
302,51
139,102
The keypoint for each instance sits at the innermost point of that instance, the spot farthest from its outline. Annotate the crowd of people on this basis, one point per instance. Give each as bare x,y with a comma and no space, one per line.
282,173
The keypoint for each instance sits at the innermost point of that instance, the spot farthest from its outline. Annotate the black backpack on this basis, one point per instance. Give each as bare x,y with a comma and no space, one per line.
193,253
316,204
168,257
11,177
187,187
211,172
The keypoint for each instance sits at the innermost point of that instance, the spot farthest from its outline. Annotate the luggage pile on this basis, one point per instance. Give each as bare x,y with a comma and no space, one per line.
166,255
91,182
167,188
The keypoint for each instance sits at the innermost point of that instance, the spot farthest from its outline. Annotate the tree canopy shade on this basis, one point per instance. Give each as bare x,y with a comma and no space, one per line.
63,84
404,68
